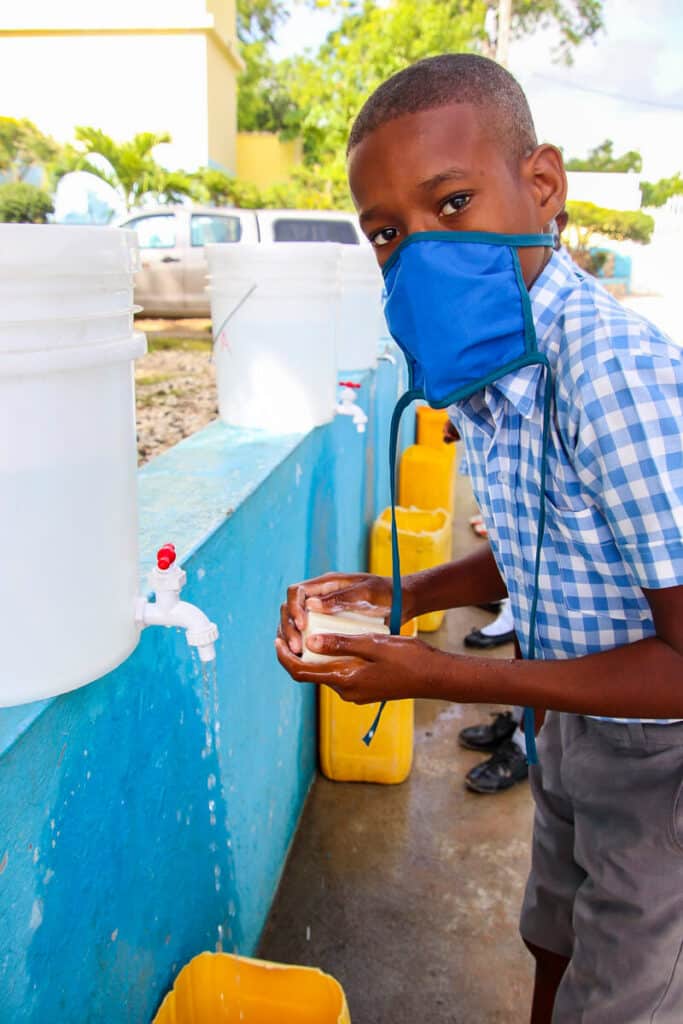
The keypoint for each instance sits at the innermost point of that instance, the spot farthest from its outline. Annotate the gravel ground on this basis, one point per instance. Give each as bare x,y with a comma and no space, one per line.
175,391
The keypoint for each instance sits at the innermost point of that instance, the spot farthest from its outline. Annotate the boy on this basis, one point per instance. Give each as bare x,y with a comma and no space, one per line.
449,145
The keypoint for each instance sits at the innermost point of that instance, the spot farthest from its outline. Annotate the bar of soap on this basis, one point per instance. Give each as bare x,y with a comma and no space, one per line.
346,623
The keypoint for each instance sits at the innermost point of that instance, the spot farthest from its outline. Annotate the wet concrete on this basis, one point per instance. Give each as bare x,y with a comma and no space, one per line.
409,894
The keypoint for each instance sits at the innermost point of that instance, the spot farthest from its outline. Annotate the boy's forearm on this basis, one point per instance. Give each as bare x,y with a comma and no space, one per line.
474,579
640,680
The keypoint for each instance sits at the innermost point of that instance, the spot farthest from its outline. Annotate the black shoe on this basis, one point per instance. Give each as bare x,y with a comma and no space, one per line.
488,737
507,766
475,638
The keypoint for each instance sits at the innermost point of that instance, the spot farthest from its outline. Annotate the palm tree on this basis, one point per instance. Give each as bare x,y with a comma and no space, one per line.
131,168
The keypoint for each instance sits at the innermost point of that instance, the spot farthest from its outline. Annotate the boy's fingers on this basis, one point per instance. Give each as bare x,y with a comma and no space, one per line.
299,592
289,632
331,674
355,599
335,645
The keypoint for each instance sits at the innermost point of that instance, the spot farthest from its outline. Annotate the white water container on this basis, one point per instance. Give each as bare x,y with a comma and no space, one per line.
361,319
274,309
47,271
65,332
68,477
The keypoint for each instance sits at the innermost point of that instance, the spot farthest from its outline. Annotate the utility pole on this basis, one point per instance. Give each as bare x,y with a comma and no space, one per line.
503,36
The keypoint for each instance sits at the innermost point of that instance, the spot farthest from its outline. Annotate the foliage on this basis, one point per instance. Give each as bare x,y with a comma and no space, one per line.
131,168
587,220
371,43
659,192
264,102
602,158
259,19
21,203
23,147
576,20
221,189
309,188
318,95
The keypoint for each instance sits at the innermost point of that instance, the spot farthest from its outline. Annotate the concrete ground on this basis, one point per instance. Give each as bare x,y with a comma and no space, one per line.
409,894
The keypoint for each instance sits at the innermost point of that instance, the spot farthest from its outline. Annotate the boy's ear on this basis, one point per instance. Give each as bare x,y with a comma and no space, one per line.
545,173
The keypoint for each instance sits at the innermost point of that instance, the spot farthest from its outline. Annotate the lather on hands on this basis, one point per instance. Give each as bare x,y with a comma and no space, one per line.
374,667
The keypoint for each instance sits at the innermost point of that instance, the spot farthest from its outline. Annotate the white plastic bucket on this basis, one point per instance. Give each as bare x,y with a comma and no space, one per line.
68,517
361,320
65,332
274,310
68,470
63,296
31,251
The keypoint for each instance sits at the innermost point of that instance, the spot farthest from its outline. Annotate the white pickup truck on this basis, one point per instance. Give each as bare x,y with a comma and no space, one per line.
172,278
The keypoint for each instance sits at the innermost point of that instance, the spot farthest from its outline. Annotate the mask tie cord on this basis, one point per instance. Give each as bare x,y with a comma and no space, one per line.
529,718
396,595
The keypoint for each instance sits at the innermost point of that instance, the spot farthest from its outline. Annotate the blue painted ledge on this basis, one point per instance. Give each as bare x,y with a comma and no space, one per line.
146,817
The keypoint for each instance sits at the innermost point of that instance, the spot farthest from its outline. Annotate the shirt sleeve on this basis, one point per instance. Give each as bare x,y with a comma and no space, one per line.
629,456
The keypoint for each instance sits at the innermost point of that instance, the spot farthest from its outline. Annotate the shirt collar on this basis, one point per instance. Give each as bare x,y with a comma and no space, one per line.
548,294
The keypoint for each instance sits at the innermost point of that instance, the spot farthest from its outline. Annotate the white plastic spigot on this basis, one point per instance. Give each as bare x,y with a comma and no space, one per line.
346,406
166,580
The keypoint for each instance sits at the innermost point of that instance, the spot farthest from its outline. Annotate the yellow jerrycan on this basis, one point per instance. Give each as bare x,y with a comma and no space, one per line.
219,988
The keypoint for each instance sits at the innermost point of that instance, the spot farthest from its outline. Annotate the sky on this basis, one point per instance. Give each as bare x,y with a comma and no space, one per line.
627,84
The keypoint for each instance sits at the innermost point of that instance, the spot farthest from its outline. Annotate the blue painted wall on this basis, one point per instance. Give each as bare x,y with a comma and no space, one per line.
146,817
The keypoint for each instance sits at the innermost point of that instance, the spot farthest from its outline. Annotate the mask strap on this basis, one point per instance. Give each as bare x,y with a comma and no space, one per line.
396,595
529,720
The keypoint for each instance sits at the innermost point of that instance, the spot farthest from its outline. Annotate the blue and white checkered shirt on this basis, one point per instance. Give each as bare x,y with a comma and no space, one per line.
614,485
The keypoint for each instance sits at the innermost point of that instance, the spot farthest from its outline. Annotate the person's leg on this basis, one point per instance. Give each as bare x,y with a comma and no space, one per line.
625,782
546,919
550,968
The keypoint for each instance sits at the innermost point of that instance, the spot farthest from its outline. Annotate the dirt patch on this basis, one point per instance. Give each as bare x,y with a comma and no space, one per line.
175,389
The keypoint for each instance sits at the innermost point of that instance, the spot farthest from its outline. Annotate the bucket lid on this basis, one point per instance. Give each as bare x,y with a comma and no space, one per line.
46,250
314,260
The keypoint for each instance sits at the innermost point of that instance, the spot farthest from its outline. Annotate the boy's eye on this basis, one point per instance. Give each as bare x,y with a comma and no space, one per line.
384,236
455,204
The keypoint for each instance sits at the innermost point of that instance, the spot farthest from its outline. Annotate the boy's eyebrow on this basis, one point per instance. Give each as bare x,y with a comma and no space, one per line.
370,214
450,174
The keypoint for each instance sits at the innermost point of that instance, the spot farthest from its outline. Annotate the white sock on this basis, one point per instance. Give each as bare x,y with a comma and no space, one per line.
519,738
503,623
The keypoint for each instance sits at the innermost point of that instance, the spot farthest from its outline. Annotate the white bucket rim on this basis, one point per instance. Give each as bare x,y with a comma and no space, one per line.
80,357
84,248
101,315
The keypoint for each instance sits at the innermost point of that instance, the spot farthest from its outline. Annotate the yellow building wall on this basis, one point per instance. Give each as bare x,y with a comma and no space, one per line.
221,107
264,159
126,67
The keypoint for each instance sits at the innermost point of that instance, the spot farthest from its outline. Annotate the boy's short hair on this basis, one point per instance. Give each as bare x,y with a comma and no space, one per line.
453,78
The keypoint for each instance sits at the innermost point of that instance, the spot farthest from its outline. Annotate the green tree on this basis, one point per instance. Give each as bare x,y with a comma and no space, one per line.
374,40
602,158
21,203
23,147
659,192
221,189
131,168
586,221
264,103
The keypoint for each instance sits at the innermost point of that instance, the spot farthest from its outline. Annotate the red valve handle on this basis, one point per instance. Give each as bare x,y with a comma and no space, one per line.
166,556
348,384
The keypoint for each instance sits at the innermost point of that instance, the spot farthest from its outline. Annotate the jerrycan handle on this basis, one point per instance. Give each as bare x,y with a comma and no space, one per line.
249,292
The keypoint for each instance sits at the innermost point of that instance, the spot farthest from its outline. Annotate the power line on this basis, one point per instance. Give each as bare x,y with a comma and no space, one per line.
605,92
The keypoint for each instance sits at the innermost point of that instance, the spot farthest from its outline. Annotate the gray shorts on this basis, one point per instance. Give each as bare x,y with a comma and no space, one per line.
606,882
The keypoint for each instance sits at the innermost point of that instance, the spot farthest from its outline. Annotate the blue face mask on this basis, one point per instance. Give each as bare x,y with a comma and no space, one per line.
457,305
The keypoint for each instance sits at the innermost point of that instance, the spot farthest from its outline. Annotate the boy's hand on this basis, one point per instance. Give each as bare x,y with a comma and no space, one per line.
378,667
358,592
